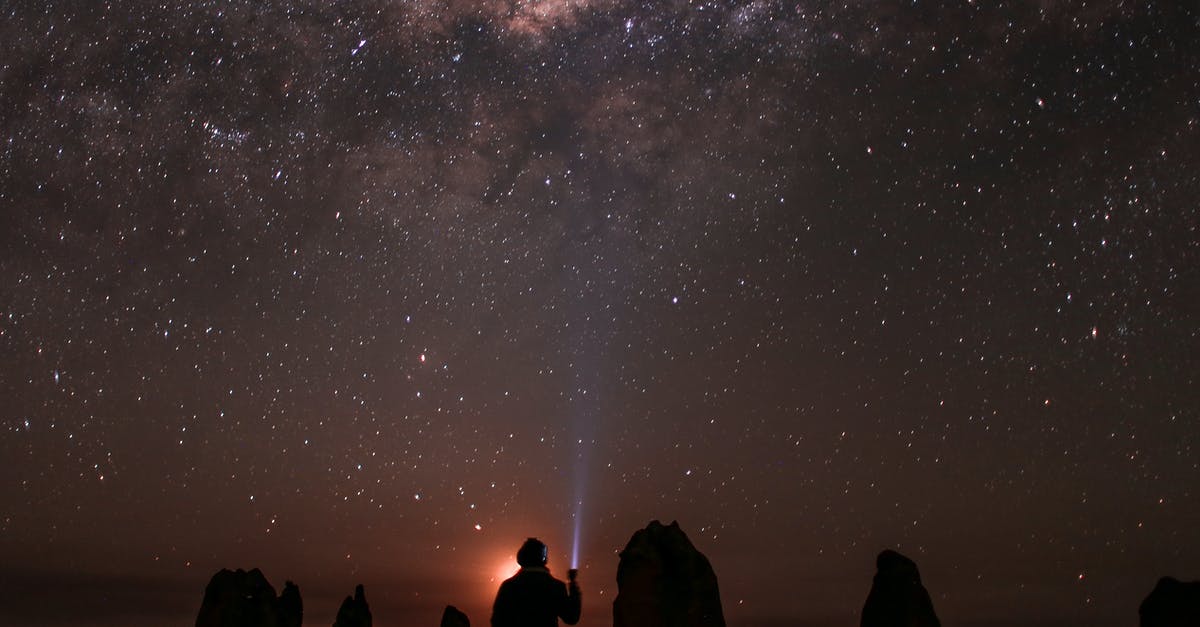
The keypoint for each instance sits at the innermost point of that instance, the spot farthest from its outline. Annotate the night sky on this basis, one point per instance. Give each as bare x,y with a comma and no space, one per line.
371,290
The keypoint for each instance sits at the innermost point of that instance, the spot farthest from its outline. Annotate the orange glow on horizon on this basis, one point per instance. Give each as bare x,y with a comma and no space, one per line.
507,567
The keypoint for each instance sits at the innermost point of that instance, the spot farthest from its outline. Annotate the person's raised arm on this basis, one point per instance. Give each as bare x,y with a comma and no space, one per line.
572,603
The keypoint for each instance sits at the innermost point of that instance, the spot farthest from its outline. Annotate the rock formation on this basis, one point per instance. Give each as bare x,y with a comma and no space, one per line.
452,617
245,599
291,608
354,611
1172,603
897,598
663,581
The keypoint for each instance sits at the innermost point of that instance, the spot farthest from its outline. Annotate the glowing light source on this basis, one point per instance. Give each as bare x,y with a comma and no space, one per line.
505,569
575,542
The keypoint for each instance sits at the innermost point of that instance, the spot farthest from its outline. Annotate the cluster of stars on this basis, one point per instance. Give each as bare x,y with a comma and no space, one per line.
378,289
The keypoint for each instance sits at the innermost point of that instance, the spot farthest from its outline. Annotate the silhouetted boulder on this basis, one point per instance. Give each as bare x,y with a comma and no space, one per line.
897,598
245,599
663,581
1172,603
452,617
291,608
354,611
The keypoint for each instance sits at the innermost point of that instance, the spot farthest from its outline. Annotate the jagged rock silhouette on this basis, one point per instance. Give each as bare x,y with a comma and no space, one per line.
1172,603
897,598
246,599
354,611
291,607
664,581
452,617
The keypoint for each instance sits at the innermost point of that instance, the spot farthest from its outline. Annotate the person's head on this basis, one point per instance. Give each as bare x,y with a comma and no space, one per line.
532,553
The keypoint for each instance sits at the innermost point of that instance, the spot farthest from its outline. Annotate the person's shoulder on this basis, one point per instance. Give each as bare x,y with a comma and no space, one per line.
553,582
541,576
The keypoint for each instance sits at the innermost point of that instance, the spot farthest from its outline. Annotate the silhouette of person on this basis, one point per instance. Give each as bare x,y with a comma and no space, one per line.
533,597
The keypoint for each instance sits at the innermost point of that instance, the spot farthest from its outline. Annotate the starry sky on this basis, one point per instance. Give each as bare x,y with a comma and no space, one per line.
371,290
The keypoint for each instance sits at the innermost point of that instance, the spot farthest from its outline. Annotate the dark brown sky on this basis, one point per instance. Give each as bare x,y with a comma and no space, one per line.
370,291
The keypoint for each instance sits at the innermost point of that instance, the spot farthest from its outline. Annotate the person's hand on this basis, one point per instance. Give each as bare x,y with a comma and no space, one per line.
572,574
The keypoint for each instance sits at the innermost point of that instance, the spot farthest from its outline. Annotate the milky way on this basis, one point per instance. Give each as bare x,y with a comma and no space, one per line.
369,291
